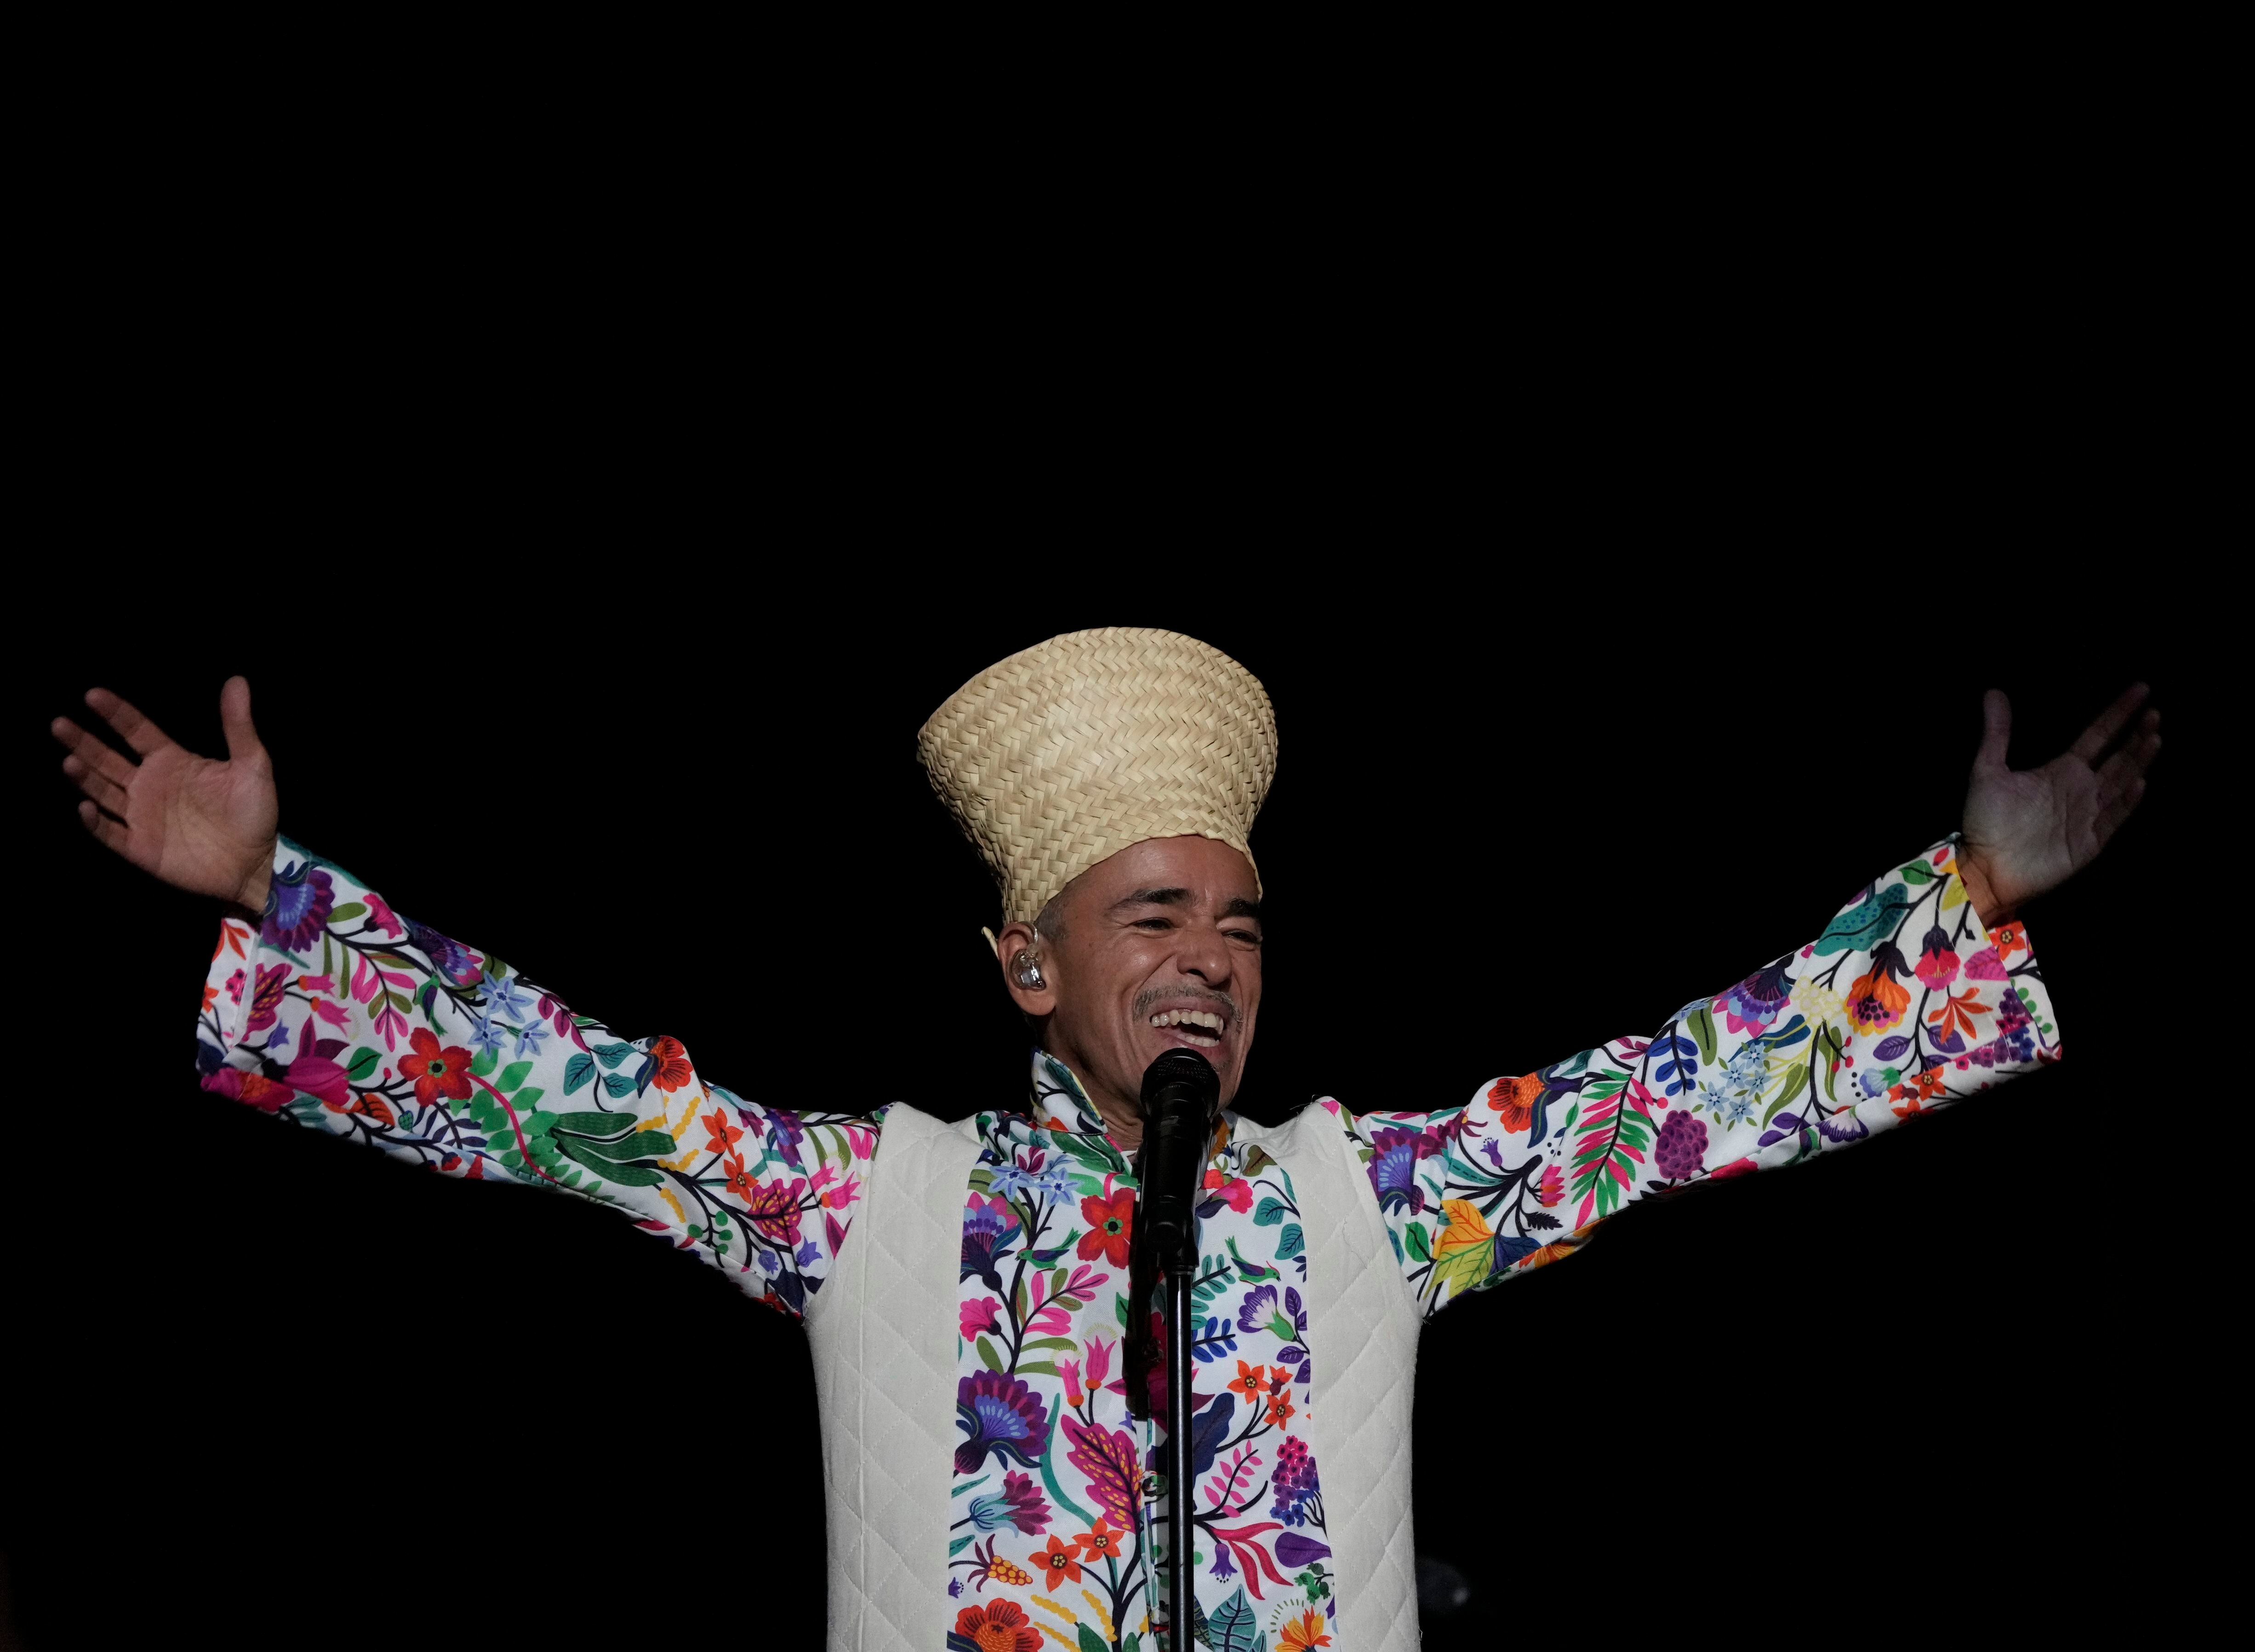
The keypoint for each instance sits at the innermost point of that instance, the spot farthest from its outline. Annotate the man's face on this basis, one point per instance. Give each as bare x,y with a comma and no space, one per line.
1160,951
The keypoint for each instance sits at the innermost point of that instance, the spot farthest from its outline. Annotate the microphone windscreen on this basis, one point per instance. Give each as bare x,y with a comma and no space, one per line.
1187,1073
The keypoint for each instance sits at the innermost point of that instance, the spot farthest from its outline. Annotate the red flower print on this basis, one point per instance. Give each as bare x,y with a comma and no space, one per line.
1102,1543
669,1063
999,1626
1108,1223
740,1180
1513,1099
1937,963
724,1134
211,994
436,1071
1059,1561
1233,1190
2011,941
1281,1412
1248,1382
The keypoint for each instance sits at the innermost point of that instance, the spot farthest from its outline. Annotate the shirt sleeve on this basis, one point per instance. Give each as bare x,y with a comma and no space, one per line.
1904,1004
337,1013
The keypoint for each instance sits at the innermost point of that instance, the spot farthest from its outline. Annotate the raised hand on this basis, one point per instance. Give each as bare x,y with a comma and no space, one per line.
200,824
2028,831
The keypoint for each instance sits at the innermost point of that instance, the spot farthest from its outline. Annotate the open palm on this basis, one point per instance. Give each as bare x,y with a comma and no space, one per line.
2028,831
200,824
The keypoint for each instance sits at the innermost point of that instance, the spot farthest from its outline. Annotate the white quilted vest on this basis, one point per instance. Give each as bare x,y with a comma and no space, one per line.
884,1331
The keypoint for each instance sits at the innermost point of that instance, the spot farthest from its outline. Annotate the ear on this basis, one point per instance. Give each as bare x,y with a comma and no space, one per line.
1016,938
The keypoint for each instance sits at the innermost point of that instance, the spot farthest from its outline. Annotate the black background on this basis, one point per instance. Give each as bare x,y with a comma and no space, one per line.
1539,784
1625,552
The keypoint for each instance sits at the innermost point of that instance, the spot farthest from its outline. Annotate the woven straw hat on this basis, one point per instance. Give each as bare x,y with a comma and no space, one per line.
1073,750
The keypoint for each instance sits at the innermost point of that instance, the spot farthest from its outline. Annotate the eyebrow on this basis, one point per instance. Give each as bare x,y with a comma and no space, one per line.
1237,908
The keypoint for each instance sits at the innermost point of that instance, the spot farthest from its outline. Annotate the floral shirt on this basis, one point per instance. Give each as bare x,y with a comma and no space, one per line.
341,1013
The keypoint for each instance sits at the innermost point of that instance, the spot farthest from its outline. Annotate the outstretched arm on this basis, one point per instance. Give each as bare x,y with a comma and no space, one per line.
1922,990
330,1008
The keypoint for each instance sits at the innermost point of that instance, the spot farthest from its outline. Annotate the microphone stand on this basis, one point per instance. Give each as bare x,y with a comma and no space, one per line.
1178,1124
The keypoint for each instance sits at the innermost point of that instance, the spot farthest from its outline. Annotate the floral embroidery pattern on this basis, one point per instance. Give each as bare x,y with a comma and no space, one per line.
342,1015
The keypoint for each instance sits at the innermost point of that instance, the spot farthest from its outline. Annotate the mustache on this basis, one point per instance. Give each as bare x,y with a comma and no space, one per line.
1151,997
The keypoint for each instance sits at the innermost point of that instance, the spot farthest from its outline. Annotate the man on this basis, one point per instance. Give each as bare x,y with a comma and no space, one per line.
965,1287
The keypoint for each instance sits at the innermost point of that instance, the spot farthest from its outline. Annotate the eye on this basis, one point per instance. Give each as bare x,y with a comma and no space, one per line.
1245,935
1153,922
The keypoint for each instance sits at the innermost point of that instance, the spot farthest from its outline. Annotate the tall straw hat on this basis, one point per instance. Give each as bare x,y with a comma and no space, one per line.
1070,750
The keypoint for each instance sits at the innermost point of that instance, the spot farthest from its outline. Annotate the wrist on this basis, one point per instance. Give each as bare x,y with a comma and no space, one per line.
249,898
1982,893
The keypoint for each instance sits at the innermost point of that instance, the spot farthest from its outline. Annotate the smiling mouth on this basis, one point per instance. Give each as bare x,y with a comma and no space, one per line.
1200,1029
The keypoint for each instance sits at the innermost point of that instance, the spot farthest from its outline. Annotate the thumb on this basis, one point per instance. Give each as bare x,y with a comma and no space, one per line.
1997,730
235,717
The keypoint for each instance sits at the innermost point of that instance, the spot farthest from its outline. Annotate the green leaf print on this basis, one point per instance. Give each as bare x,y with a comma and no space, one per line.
1234,1628
1794,1081
580,1149
597,1124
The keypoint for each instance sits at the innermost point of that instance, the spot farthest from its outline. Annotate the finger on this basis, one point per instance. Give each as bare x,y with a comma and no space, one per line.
234,716
136,731
2126,765
95,752
104,791
2096,738
1996,730
102,827
2117,812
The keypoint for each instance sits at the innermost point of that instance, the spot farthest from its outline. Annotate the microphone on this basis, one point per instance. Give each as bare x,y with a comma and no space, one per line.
1182,1094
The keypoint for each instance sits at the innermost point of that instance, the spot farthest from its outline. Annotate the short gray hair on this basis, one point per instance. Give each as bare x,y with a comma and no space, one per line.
1050,925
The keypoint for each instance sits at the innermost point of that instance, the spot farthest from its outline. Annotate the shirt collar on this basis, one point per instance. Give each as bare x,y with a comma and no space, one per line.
1056,1102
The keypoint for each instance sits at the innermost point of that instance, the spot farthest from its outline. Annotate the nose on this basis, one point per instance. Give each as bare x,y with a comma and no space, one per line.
1204,954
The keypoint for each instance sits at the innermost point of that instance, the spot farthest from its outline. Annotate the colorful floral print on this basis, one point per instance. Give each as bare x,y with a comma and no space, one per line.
371,1026
1773,1069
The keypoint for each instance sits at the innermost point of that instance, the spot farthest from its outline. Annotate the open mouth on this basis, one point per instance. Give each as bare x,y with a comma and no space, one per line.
1200,1029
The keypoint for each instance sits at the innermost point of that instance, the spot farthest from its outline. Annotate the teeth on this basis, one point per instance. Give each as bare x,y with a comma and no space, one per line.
1206,1020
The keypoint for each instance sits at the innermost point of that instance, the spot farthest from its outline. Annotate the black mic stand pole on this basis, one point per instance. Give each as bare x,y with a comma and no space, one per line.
1181,1274
1180,1102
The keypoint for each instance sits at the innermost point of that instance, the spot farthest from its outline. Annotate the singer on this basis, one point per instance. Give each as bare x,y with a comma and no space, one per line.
978,1294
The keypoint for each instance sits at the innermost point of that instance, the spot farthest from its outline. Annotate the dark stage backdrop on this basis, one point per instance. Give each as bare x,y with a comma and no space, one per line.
1532,796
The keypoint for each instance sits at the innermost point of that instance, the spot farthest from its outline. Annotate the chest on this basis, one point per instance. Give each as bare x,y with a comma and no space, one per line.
1056,1505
